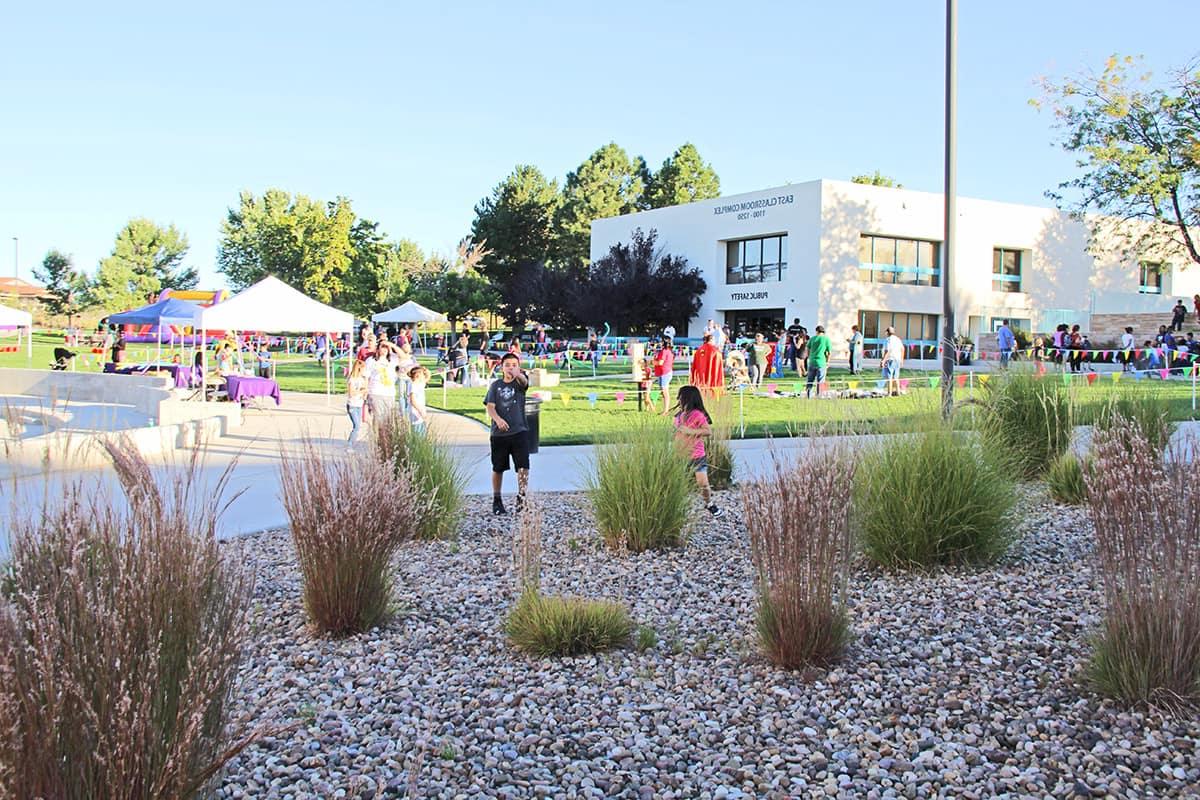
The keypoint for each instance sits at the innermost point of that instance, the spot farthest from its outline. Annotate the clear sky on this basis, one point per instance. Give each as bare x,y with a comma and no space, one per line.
415,111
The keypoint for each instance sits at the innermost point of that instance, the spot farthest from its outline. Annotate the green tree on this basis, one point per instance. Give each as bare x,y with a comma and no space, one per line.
454,292
1138,146
145,259
323,249
877,178
683,178
516,220
66,286
607,184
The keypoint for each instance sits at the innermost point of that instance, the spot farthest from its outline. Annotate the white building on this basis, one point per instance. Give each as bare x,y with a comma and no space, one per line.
835,253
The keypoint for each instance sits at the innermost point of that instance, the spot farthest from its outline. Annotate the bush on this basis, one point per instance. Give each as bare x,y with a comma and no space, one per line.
1026,421
349,515
557,626
1065,479
801,552
1148,409
435,469
121,636
720,460
933,497
641,489
1146,513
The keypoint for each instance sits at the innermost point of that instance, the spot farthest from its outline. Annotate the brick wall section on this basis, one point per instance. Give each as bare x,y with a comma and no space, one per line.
1109,327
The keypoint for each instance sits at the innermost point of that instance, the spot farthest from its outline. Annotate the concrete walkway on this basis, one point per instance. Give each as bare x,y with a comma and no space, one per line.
252,454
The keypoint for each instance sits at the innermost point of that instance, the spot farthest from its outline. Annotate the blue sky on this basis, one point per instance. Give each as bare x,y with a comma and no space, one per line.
415,111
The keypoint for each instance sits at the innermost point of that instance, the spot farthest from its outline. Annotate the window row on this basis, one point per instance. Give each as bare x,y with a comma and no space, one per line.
756,260
888,259
912,328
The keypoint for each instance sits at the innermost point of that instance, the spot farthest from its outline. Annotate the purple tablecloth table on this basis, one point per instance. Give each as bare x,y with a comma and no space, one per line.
242,387
178,372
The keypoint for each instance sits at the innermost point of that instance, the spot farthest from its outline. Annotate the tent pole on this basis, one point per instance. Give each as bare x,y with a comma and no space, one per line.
328,369
203,364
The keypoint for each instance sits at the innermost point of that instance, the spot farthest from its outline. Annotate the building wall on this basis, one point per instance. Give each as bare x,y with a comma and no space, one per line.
824,220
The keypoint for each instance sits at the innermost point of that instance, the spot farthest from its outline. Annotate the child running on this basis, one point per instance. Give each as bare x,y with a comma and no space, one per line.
418,413
692,425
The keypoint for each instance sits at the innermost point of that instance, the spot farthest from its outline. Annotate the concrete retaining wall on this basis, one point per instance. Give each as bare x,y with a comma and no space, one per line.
144,392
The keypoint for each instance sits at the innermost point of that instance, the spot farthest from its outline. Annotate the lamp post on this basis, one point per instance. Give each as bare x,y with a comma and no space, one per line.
16,260
948,243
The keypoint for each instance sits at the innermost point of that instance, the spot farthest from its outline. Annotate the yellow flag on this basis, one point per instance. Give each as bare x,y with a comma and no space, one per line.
566,398
1116,377
983,377
853,384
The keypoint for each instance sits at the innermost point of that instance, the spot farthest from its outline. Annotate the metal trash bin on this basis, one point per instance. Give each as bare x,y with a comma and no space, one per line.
533,420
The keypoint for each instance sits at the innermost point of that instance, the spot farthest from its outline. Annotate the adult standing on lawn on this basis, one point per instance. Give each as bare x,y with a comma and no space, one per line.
893,358
1006,341
856,349
664,367
505,403
818,361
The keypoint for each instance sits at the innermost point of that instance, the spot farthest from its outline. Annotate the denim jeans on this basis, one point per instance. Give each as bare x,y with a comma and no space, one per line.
355,413
815,375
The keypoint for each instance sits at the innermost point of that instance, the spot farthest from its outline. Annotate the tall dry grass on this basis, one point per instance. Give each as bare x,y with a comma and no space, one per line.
798,518
1146,510
121,635
349,515
435,469
1026,421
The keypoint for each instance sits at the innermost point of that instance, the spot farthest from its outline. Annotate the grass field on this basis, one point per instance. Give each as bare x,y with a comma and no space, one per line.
570,418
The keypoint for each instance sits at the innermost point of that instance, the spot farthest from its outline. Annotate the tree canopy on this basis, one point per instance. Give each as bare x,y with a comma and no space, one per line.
67,288
145,259
607,184
517,221
877,178
455,288
683,178
322,249
1138,148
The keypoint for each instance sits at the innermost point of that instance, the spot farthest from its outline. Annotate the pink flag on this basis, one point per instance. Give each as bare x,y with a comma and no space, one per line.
620,398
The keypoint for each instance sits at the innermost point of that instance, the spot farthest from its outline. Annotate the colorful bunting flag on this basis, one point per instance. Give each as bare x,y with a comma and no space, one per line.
655,395
852,384
1116,377
1066,378
984,377
620,398
797,387
566,399
880,384
961,380
1164,373
934,381
1091,378
904,383
592,399
772,388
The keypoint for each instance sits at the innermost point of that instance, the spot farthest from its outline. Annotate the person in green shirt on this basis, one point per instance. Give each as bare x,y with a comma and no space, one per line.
818,361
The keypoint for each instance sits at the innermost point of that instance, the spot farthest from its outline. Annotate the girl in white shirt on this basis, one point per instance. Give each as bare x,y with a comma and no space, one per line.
418,414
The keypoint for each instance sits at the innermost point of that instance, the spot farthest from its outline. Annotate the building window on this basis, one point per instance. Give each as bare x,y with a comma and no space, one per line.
1150,277
756,260
1006,270
887,259
912,328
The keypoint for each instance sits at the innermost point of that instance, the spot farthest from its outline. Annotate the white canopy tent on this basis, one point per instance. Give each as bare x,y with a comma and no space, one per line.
413,312
15,317
271,306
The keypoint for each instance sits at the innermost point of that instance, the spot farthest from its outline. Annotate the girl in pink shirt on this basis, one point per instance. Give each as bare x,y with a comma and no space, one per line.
692,425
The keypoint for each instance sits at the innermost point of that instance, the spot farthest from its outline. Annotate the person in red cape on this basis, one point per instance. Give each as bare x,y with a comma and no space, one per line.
708,368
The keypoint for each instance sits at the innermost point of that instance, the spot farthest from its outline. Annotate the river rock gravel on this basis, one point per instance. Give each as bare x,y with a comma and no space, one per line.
963,683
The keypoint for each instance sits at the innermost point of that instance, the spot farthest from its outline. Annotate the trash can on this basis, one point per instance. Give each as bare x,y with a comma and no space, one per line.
533,419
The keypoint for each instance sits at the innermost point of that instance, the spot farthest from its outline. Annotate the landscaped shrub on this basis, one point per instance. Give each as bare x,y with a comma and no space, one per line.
435,469
798,517
542,625
720,459
1065,479
1025,420
1146,511
641,489
1148,408
121,635
932,497
349,515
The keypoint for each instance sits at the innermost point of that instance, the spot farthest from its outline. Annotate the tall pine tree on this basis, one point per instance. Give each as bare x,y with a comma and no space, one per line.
607,184
683,178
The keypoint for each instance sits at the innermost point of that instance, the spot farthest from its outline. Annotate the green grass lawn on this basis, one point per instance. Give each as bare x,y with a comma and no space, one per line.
578,422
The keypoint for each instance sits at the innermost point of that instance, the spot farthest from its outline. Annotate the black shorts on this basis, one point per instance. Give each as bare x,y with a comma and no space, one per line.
516,445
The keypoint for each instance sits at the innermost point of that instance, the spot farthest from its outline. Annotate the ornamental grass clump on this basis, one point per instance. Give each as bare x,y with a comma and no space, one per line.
349,515
1146,511
932,498
641,489
543,625
1147,407
436,470
716,447
122,630
798,518
1026,420
1065,479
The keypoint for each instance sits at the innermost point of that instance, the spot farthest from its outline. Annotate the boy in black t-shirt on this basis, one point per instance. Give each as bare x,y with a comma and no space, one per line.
505,402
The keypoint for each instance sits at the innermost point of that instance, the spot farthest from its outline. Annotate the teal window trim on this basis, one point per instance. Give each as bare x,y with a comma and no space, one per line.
1143,289
1006,278
897,268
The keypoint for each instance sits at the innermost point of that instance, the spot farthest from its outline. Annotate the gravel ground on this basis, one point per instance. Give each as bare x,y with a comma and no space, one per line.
963,683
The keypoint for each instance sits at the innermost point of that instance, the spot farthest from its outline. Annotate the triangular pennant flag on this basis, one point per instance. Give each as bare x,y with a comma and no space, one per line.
620,398
1041,369
1091,378
1137,376
880,384
852,384
961,380
984,377
566,398
904,383
654,395
772,388
933,382
1116,377
1066,378
797,387
592,399
822,387
1164,373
